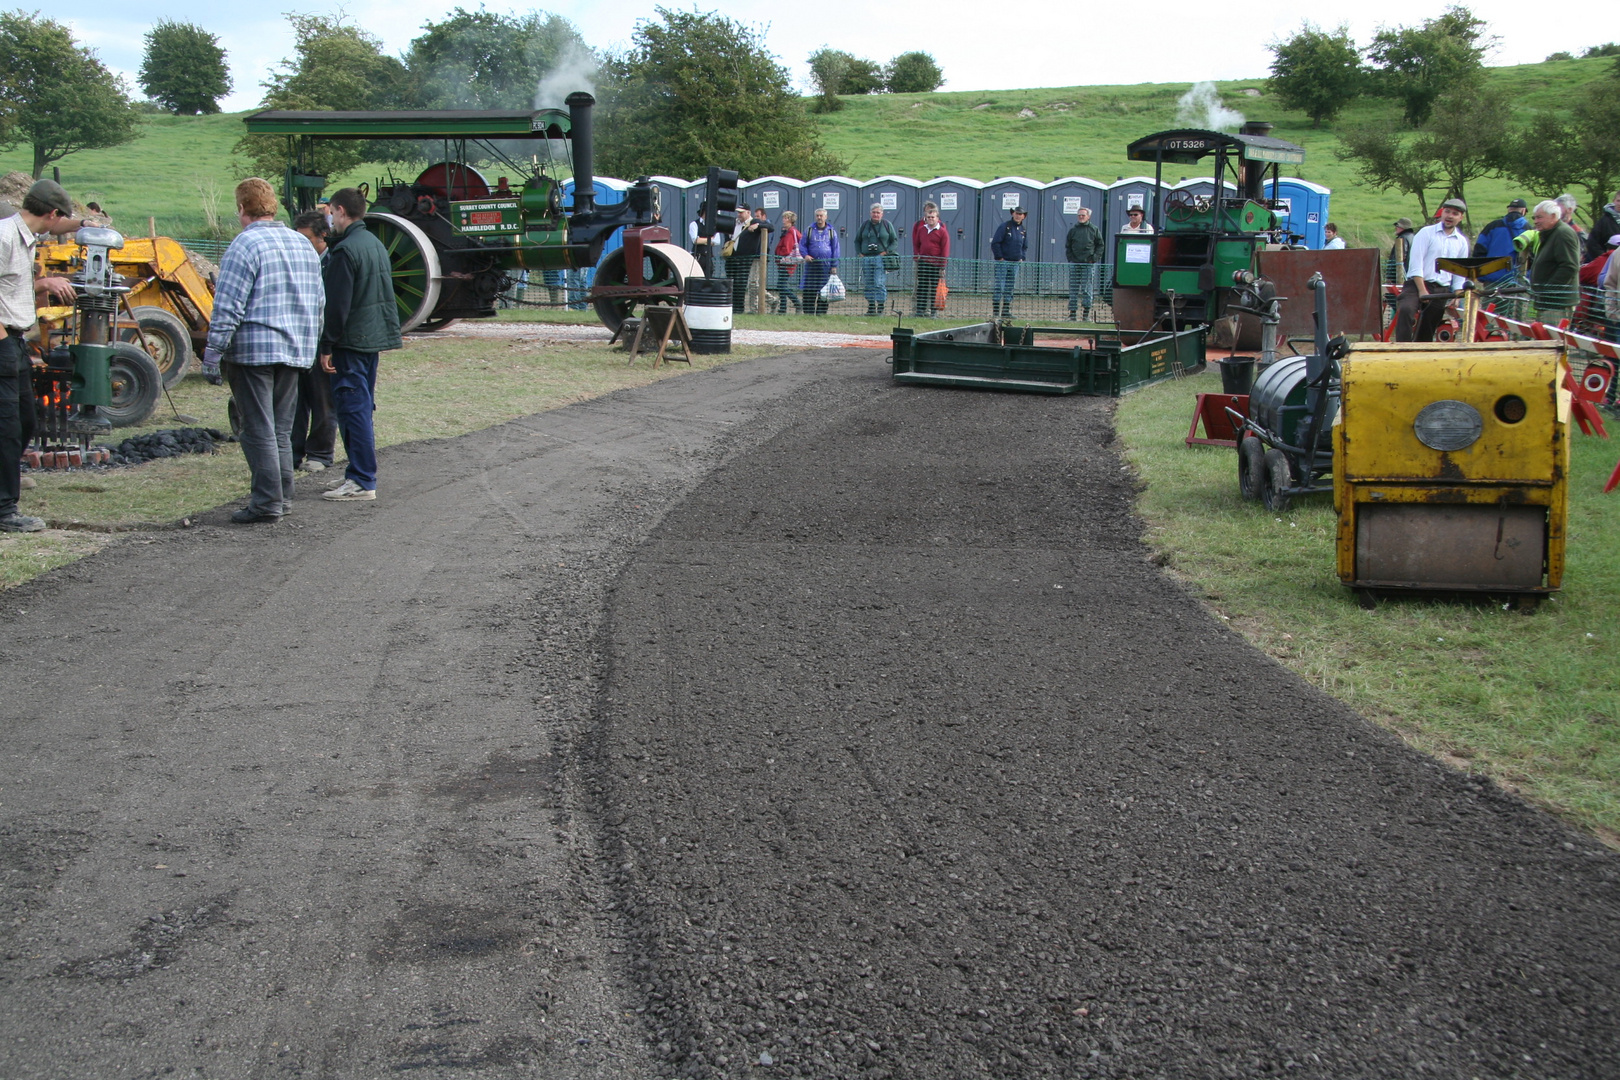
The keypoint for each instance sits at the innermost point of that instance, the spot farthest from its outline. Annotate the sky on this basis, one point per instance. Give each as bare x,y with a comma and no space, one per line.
1040,43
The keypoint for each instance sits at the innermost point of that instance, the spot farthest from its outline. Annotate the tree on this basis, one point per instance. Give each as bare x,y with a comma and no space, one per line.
184,69
1467,138
697,89
828,67
1386,160
59,98
336,67
483,60
913,73
1316,72
1416,65
1552,153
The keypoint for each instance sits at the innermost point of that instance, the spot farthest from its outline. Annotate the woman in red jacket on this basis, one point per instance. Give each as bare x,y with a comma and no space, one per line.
931,244
787,264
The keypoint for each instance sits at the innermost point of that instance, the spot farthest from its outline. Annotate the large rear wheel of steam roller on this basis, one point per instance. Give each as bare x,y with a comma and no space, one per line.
136,385
414,264
168,342
661,265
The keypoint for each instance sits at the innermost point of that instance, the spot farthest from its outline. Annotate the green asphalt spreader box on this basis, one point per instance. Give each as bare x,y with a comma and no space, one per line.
1044,359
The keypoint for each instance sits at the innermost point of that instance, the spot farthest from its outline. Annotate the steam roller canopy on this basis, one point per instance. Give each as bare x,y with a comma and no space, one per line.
662,266
414,264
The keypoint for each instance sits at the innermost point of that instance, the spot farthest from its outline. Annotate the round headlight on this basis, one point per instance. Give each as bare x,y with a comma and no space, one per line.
1448,425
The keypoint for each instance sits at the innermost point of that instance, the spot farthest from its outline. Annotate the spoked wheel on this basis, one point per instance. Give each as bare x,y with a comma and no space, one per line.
168,342
1251,467
1279,477
136,385
661,265
414,265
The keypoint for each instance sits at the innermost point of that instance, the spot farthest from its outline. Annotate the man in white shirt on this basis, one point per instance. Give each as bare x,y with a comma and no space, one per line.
1414,319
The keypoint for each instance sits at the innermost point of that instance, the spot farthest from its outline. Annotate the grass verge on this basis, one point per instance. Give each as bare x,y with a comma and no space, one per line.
1530,700
433,388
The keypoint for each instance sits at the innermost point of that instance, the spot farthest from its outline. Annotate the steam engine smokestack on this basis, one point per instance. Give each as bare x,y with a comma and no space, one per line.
579,121
1256,127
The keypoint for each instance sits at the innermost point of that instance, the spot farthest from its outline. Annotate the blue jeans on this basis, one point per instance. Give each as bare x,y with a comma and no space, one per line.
786,287
266,396
354,399
1006,279
874,282
1082,285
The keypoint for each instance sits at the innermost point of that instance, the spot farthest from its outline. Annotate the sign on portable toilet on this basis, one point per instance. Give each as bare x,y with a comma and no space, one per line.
1061,200
958,200
1304,209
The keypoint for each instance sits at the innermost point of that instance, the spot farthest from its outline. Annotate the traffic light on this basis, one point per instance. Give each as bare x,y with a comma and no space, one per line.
720,202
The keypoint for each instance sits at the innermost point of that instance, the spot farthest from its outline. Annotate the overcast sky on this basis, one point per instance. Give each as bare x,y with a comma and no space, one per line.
979,46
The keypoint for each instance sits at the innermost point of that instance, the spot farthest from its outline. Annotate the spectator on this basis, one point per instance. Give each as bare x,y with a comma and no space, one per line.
314,430
268,305
1415,318
702,250
931,247
875,242
362,321
1083,247
1335,242
752,236
1008,247
1400,252
1136,221
1567,205
1555,274
1497,239
788,261
1611,300
46,209
1606,225
820,250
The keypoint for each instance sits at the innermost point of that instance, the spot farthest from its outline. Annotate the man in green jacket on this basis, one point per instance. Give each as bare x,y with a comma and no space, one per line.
876,240
362,320
1555,275
1084,249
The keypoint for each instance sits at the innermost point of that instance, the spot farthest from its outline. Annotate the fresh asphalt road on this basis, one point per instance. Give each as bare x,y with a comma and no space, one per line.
768,721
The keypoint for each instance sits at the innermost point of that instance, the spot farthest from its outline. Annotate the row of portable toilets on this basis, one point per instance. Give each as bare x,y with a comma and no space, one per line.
970,209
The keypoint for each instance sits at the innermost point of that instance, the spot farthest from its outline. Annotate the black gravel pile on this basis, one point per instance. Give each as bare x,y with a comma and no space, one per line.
176,442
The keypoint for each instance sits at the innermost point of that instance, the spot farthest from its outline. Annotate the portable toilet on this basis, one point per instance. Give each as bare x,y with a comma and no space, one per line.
1126,192
609,192
1305,208
672,204
958,200
996,202
839,196
775,194
1060,201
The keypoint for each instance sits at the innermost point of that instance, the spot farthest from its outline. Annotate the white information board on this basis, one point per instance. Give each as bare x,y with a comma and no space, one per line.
1010,199
947,200
889,200
1138,253
773,199
1133,198
829,200
1071,205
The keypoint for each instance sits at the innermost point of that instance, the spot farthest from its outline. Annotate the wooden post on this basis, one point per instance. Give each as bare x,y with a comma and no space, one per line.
764,272
151,227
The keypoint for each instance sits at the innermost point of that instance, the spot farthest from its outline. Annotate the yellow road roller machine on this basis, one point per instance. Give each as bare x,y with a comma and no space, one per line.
1451,469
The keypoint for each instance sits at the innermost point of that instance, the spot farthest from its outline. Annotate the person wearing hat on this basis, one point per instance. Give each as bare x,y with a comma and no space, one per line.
1400,252
1497,239
1136,221
1416,319
1009,247
1556,269
46,210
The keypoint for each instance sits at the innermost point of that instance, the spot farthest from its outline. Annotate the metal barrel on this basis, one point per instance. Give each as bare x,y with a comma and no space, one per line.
708,314
1284,384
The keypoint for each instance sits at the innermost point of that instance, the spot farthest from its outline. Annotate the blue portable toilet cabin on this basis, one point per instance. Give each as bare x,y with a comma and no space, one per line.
609,191
672,204
840,197
901,199
1060,201
1124,193
1306,208
958,200
775,194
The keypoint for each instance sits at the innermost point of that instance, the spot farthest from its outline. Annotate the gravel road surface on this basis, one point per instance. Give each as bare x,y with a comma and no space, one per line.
768,721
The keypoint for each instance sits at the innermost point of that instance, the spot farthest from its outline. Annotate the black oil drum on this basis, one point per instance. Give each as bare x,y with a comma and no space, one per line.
708,314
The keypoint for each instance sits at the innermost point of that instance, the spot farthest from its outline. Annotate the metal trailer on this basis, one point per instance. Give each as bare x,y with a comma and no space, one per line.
1043,359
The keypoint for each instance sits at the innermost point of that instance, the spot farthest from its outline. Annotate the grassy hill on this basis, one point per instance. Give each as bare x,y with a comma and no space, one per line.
183,165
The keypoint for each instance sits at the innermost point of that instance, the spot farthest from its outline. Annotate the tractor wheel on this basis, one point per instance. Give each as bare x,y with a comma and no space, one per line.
662,265
1251,467
1278,478
168,342
136,385
413,263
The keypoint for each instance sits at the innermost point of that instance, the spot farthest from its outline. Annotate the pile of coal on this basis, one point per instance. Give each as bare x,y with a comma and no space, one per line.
177,442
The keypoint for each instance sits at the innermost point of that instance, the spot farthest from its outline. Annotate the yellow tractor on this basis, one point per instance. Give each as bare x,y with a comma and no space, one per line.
169,304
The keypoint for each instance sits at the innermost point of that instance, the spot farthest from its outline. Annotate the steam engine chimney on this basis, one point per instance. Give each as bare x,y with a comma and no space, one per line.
579,117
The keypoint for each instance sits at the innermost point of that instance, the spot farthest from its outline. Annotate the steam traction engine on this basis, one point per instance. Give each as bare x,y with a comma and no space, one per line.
457,242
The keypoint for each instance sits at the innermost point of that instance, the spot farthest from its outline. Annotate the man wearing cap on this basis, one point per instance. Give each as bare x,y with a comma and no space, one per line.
1555,273
1136,221
46,209
1497,239
1400,252
1416,320
1606,225
1008,247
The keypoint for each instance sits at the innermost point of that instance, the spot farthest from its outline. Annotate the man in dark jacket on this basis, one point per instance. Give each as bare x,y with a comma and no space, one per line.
1497,237
1009,247
1555,273
1400,252
362,320
1606,225
1084,250
744,258
875,241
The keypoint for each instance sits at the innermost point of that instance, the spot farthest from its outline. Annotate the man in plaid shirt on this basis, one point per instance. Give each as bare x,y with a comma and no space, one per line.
268,309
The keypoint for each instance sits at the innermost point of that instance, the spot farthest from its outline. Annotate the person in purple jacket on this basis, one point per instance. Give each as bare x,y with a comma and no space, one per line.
819,246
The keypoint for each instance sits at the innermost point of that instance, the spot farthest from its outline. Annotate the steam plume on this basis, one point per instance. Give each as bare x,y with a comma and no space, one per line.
1201,107
575,70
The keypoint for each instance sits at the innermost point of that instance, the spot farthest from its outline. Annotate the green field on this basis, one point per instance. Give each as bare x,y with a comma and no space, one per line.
184,163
